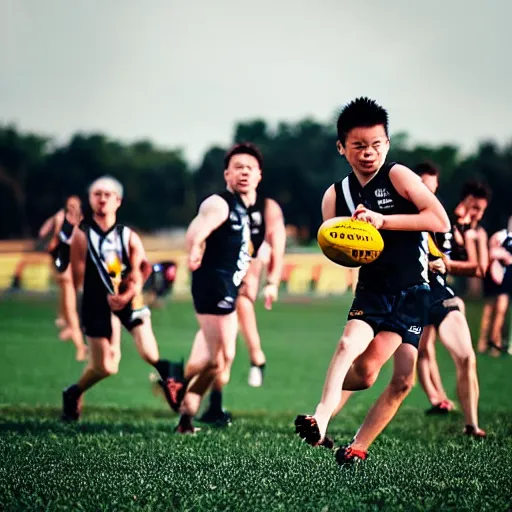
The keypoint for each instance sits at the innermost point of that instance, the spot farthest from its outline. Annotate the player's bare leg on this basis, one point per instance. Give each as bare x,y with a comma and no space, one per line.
72,329
500,312
456,337
219,333
428,373
215,413
356,338
248,324
386,406
104,357
485,325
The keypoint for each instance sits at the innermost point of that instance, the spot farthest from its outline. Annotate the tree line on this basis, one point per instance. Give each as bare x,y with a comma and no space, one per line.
162,190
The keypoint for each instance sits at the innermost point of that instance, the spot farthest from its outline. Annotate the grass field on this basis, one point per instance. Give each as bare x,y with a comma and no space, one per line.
123,455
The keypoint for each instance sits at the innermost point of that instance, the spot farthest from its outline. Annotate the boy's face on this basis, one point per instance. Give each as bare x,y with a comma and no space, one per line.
366,148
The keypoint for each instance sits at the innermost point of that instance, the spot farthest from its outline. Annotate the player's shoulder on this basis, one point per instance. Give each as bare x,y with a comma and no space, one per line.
218,202
271,205
397,170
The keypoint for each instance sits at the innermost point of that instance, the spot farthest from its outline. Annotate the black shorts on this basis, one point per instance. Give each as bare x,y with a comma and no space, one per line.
491,288
61,257
213,292
96,316
403,312
442,301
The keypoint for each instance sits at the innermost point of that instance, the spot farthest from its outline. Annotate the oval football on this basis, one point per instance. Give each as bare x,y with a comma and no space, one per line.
350,242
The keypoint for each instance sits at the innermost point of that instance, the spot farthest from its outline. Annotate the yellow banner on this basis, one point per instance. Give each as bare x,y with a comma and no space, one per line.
302,274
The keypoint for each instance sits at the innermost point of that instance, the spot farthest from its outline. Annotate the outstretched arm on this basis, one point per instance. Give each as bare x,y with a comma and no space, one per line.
431,215
275,236
212,213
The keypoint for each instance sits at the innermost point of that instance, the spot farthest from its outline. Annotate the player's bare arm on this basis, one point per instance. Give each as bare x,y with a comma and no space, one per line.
470,267
431,217
78,252
275,236
49,225
212,213
482,244
329,204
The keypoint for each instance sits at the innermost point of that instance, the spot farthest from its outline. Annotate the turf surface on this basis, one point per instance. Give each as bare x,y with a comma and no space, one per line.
124,456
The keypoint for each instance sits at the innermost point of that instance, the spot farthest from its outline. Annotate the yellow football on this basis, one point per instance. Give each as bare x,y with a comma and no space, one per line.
349,242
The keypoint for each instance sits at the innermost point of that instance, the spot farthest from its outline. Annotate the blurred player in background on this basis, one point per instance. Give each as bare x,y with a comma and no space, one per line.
469,243
108,259
56,234
388,311
497,290
159,283
268,238
219,254
446,318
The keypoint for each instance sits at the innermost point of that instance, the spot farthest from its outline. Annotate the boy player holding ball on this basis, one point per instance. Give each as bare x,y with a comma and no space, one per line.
387,314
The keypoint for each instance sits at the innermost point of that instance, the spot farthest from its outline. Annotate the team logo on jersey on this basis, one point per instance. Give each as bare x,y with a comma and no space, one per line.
382,192
256,218
356,312
415,329
226,303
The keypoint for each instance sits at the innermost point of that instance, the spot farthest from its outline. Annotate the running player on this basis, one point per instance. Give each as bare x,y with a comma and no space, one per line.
218,245
268,238
445,317
109,260
497,290
389,306
60,228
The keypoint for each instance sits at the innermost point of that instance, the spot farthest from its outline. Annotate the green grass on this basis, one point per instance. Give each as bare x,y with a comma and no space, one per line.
123,454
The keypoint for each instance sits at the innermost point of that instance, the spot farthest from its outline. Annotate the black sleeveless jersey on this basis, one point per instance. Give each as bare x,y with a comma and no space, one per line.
459,252
227,247
61,253
505,238
107,259
404,261
257,222
438,244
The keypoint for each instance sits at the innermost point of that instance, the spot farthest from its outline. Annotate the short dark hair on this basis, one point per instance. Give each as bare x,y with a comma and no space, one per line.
426,168
477,189
360,112
244,148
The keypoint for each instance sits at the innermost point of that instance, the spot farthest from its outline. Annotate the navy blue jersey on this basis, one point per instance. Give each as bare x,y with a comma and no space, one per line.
227,247
257,222
404,261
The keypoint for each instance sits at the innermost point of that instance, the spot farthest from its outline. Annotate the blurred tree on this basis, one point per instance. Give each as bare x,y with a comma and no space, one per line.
19,154
300,162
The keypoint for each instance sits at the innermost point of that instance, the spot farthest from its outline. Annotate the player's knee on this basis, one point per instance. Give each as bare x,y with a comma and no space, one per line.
368,378
347,344
466,362
367,375
401,385
107,367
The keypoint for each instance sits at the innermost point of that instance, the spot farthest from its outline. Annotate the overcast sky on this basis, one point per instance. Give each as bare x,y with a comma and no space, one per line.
182,73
